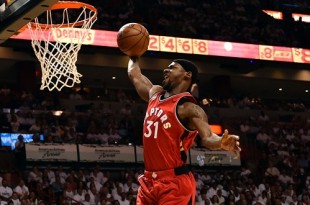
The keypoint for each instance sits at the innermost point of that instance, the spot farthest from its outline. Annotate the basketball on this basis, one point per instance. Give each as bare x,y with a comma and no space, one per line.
133,39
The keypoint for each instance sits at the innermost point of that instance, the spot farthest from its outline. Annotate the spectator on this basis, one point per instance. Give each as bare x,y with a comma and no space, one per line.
98,175
263,117
123,200
130,184
221,198
231,200
36,127
15,199
68,193
33,199
5,192
20,152
60,172
14,123
50,173
262,139
106,193
114,137
58,188
22,190
245,127
93,195
245,172
34,176
92,182
215,200
101,138
115,202
79,197
284,178
195,91
272,171
87,200
264,198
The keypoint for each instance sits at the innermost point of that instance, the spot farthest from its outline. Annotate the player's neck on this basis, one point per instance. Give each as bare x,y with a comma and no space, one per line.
181,88
168,94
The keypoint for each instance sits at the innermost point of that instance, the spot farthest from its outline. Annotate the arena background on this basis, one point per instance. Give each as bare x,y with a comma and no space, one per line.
220,78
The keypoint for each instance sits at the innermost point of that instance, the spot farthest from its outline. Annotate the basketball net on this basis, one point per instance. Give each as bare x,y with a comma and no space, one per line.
57,41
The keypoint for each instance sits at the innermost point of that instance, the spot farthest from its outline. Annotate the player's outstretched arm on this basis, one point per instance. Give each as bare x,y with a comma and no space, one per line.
142,84
197,119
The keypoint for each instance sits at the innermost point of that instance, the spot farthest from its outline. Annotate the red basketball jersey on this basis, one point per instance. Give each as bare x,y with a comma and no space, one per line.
162,132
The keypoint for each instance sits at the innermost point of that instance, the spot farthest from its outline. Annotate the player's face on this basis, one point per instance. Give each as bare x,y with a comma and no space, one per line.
173,75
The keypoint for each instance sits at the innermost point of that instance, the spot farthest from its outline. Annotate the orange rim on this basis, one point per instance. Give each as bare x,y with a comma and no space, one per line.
67,5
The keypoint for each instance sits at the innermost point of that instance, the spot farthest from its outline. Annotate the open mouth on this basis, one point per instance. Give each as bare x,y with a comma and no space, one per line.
165,80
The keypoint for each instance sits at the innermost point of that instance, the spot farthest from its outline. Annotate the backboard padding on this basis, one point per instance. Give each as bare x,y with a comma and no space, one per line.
18,14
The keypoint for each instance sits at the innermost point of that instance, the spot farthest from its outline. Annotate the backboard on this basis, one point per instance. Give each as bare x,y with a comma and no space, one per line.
15,14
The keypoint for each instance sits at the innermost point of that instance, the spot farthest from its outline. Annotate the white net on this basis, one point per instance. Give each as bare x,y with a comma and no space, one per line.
56,41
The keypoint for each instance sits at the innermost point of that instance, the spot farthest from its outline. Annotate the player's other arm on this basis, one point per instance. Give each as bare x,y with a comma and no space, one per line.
197,120
143,85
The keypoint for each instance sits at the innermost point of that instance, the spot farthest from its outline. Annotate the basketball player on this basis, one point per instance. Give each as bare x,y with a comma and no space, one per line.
172,121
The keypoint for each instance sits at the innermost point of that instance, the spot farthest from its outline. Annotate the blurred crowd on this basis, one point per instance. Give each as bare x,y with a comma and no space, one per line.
278,173
234,20
115,116
274,185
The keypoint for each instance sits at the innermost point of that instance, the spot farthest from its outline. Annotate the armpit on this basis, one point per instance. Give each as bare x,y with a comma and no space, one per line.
155,89
184,113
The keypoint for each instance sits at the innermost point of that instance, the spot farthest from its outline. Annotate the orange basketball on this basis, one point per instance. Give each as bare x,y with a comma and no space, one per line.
133,39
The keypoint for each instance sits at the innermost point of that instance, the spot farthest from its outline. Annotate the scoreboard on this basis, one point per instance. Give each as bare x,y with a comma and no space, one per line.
192,46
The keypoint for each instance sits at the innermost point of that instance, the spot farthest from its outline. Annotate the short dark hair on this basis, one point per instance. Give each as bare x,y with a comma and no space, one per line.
188,66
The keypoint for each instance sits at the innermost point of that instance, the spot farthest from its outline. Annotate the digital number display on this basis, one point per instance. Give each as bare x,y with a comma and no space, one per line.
301,55
167,44
266,52
200,47
184,45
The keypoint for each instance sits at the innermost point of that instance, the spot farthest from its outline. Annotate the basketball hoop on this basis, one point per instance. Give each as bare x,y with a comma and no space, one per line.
57,39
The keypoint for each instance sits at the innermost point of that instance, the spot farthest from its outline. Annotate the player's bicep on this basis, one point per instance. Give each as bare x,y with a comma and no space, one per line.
143,86
197,119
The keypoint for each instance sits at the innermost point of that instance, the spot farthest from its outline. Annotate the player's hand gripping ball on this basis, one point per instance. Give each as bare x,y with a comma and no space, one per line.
133,39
